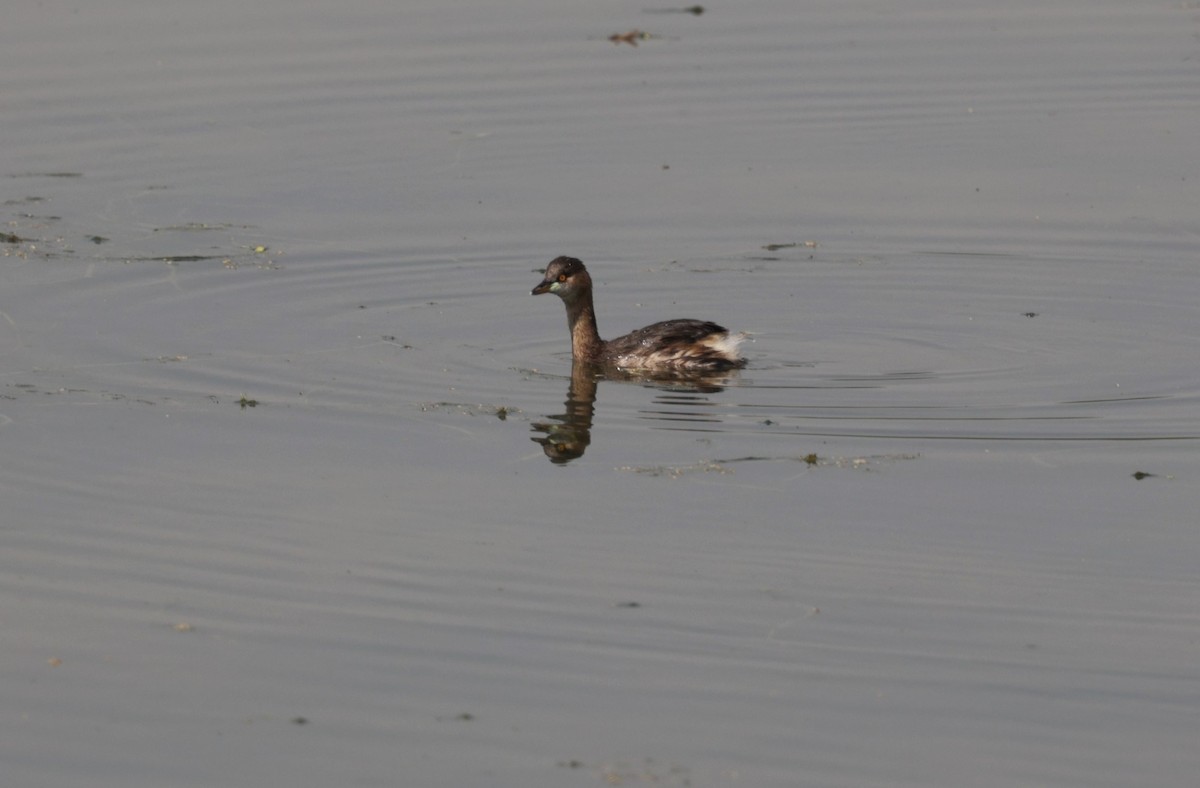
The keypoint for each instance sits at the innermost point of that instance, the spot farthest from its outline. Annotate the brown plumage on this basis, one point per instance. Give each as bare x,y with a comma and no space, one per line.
683,345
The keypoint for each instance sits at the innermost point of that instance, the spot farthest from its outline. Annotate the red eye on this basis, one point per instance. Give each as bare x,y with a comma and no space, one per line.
562,277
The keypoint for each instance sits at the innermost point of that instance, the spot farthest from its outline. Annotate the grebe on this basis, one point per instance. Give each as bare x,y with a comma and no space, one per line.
672,345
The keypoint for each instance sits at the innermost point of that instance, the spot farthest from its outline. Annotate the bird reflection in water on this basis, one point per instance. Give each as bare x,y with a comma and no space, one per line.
566,436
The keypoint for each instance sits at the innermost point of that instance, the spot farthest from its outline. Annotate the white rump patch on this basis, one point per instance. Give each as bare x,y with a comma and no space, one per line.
728,345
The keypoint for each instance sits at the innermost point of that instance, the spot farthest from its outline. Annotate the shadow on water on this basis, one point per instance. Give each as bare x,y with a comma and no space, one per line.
566,436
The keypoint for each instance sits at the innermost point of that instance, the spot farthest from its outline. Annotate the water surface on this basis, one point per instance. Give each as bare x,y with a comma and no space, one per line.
273,395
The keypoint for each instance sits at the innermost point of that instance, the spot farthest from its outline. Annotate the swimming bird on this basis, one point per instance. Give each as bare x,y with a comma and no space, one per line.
672,345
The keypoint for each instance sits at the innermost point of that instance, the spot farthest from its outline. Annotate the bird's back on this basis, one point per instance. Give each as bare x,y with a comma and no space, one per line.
676,344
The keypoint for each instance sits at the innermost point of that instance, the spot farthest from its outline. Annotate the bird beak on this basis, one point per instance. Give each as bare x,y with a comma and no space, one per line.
544,287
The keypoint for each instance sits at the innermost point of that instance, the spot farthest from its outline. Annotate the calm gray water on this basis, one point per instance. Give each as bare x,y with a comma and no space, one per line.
275,507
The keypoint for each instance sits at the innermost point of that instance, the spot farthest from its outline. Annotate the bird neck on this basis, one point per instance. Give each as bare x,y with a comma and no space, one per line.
586,344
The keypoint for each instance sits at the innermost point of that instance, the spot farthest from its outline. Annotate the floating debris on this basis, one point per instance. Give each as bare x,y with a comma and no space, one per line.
647,773
179,258
812,460
631,37
777,247
695,10
501,412
190,227
465,716
676,471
